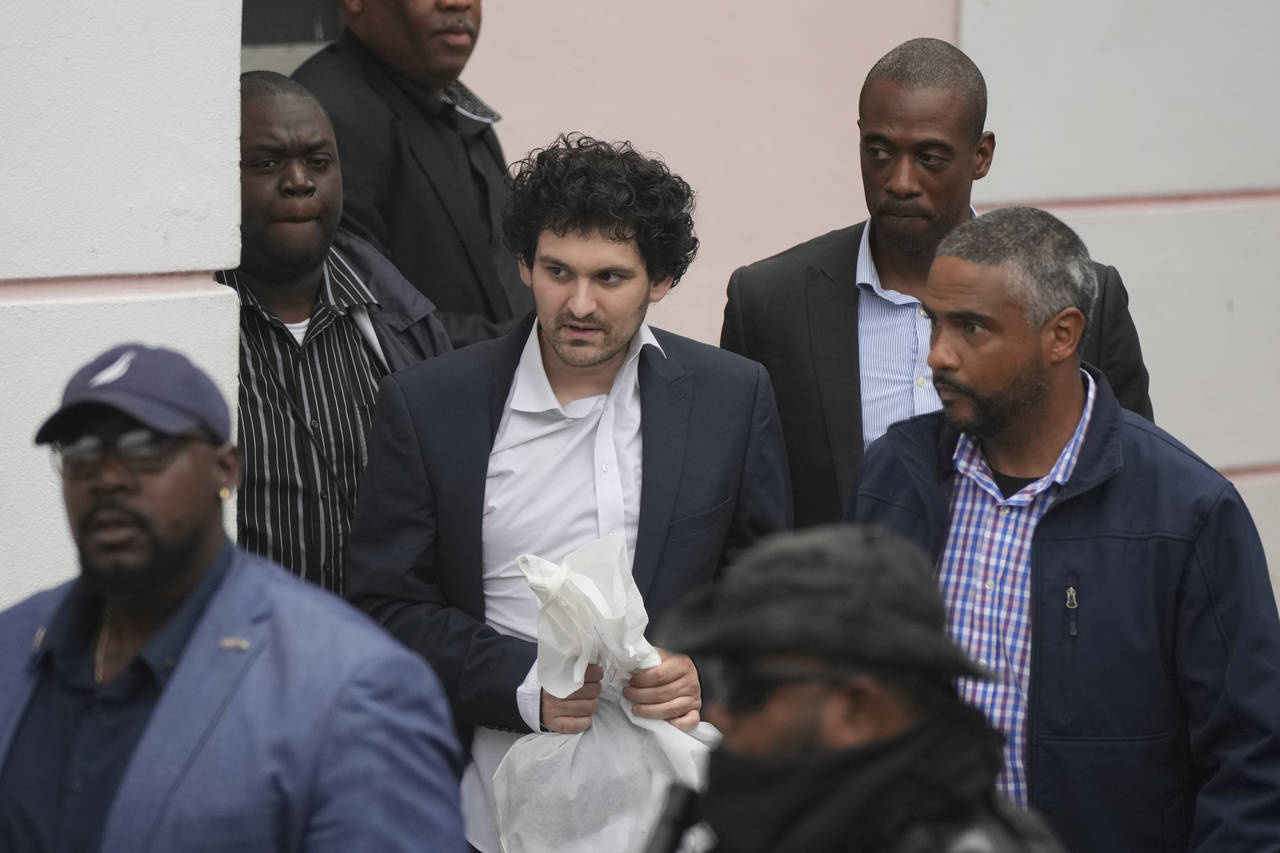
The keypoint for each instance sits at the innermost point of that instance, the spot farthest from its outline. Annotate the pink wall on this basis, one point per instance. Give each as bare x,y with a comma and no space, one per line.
754,104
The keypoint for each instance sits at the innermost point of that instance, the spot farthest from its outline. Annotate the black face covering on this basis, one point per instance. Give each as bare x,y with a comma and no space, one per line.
855,800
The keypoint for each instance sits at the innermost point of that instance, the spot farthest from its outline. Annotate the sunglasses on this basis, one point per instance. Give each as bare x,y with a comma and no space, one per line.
142,451
743,686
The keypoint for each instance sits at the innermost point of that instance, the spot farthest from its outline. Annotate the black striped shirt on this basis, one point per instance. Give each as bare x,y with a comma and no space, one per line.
303,465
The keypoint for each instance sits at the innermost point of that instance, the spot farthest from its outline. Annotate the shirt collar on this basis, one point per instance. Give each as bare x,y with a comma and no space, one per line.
971,462
340,289
70,633
531,391
868,277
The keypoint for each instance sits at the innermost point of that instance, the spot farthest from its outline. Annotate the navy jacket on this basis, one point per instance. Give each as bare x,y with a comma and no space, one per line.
1153,721
291,723
714,481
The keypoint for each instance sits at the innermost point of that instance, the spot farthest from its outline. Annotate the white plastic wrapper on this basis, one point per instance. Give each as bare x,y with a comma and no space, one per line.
600,790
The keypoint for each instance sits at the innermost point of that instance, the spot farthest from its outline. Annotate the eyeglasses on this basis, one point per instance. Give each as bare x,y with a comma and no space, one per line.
742,686
142,450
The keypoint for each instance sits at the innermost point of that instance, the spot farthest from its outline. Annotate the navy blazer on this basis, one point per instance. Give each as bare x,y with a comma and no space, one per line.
714,481
291,723
797,314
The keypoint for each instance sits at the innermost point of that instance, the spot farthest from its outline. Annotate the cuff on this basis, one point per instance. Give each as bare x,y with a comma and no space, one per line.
529,700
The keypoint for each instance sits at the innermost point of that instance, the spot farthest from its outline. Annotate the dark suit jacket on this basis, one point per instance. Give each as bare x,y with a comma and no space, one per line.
401,192
290,723
797,314
714,478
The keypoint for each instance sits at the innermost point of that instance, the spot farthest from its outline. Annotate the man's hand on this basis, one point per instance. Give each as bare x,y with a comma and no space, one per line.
572,714
669,691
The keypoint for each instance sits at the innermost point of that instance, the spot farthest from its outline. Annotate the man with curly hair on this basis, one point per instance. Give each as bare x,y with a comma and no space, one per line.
580,423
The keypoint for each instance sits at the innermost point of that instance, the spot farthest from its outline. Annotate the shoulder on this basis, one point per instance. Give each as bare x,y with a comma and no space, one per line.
834,249
317,632
384,280
704,358
337,80
25,617
1147,450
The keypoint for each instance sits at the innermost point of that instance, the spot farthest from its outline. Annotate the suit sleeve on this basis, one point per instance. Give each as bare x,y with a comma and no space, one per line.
732,335
387,779
1120,354
394,576
764,502
1228,668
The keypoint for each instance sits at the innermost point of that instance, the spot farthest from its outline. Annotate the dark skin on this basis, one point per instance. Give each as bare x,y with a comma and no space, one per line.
290,201
983,346
426,41
145,538
919,158
806,718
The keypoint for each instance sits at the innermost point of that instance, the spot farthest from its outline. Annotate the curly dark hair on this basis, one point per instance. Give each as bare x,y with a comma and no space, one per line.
582,185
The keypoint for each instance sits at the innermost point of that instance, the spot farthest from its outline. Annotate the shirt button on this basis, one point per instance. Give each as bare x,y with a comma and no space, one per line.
923,313
315,423
605,468
990,586
983,662
920,380
1004,510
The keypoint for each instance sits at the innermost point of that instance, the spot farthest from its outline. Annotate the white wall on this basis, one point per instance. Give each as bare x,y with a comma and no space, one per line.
63,326
118,167
120,137
1150,127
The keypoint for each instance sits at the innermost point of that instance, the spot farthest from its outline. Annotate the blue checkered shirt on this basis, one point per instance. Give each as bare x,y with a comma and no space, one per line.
985,577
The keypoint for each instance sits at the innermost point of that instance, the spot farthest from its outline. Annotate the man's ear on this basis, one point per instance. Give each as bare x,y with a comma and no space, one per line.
353,7
526,271
658,289
983,154
1063,334
227,466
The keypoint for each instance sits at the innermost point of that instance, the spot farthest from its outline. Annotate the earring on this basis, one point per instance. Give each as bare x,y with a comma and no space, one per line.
224,493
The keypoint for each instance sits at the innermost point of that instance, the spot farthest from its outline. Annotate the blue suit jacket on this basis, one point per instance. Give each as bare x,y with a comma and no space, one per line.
316,733
714,474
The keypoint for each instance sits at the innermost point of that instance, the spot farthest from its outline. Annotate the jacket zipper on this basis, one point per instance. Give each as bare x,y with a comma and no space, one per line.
1073,604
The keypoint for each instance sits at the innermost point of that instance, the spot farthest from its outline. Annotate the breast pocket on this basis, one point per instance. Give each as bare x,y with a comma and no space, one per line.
700,522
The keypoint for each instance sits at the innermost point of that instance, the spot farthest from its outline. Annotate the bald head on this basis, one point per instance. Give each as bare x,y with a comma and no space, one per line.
268,84
928,63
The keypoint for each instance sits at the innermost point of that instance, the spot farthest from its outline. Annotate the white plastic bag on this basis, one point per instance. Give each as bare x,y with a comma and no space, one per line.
599,790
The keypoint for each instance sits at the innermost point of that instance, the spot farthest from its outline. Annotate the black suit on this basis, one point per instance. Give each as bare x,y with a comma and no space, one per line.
714,480
797,314
404,192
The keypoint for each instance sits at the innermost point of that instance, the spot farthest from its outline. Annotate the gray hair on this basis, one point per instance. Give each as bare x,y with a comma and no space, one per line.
928,63
1048,262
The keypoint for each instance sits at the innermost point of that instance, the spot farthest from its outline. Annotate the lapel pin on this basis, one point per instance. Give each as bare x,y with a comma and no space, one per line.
234,643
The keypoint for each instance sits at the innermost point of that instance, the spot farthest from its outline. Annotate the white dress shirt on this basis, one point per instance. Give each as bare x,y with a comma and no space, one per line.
559,477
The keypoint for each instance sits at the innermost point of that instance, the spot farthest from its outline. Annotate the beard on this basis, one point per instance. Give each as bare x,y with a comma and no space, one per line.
993,414
133,575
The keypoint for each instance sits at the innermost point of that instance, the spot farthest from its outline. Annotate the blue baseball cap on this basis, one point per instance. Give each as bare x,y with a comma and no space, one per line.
158,387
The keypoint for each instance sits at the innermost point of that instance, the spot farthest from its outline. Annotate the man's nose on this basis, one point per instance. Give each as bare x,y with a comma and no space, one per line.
295,180
112,474
582,302
942,355
902,178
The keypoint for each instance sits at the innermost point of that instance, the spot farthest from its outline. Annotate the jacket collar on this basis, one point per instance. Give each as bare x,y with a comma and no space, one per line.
1101,456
